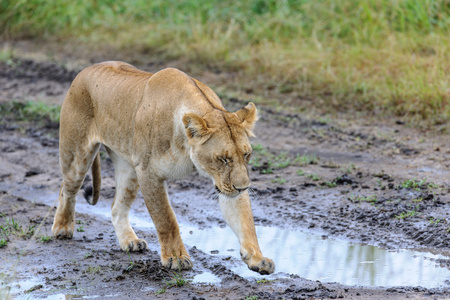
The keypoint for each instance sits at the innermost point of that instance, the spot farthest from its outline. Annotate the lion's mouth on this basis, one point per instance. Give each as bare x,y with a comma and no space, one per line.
227,193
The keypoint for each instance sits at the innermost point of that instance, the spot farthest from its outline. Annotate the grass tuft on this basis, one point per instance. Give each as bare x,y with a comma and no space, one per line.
406,214
45,238
358,199
3,243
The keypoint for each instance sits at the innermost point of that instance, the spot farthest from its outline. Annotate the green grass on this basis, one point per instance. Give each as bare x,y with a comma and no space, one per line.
45,238
359,54
307,159
264,281
269,161
279,180
130,264
348,169
417,185
301,172
314,177
13,227
3,243
330,184
434,221
406,214
93,269
358,199
176,280
30,111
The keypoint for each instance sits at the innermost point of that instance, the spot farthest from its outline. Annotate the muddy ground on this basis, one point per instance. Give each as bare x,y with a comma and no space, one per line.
370,181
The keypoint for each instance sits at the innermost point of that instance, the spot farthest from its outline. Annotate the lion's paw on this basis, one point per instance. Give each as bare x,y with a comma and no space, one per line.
264,266
62,232
177,263
256,262
136,245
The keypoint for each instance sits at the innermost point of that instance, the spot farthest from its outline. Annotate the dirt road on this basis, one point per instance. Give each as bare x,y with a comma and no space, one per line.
362,182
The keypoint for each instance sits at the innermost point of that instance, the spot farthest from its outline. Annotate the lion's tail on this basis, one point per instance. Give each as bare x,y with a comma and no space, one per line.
92,193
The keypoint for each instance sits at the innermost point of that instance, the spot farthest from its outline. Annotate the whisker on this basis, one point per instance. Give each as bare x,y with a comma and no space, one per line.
217,195
253,193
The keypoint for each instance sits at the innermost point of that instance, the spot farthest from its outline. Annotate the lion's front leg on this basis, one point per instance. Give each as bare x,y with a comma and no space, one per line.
173,252
238,214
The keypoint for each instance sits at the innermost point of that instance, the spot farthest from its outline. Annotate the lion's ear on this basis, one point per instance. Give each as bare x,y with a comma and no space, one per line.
248,116
195,126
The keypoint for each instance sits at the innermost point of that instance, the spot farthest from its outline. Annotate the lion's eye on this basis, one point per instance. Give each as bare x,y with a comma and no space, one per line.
225,160
247,155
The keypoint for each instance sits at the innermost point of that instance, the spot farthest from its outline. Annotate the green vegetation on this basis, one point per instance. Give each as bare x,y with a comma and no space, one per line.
87,254
177,280
81,228
375,53
331,184
416,200
93,269
3,243
349,169
130,264
251,298
418,184
45,238
358,199
406,214
314,177
279,180
434,221
30,111
263,281
7,55
307,159
268,161
13,227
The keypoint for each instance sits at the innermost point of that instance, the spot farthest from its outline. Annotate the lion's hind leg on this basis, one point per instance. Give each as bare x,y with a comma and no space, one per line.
126,190
75,163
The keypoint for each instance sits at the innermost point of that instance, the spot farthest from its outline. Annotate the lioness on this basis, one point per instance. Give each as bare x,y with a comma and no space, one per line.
155,127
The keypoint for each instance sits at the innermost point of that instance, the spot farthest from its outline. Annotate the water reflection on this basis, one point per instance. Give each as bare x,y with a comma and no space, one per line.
206,277
328,260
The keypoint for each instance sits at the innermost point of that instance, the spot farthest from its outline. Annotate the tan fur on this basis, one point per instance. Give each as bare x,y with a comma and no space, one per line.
155,127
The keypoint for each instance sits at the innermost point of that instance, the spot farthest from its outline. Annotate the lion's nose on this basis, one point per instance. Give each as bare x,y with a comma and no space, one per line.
240,190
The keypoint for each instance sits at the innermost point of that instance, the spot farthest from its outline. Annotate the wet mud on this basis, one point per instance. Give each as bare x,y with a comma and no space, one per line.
363,182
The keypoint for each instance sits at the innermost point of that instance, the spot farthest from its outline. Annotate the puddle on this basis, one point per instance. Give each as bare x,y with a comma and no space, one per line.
63,297
327,260
294,252
206,277
69,296
18,285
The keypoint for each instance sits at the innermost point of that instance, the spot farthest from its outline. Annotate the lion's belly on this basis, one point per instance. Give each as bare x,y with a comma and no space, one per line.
174,170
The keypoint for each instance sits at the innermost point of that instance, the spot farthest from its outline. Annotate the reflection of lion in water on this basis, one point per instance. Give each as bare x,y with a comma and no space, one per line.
155,127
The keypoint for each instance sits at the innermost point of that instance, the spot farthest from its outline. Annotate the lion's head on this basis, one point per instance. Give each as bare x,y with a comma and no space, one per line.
220,146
